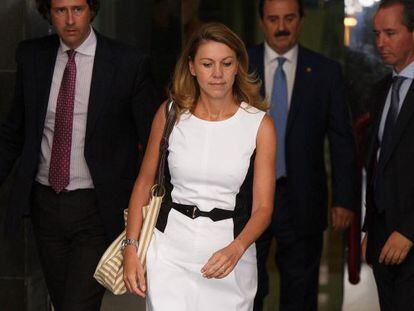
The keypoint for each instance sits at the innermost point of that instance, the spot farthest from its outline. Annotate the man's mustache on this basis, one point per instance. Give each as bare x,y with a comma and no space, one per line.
282,33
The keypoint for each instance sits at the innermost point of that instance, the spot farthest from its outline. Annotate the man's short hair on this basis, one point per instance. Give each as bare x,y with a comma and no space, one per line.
43,6
300,4
408,11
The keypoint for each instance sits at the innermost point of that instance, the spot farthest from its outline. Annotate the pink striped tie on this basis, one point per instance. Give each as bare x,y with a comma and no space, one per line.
59,170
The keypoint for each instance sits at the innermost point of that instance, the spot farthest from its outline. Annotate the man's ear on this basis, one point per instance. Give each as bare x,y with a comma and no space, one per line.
48,17
302,19
93,15
261,24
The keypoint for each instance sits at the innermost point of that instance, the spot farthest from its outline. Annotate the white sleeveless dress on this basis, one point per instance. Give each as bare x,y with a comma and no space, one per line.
208,162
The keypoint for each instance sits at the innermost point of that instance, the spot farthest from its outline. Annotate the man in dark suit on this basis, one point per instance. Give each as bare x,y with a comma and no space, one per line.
389,220
83,104
306,93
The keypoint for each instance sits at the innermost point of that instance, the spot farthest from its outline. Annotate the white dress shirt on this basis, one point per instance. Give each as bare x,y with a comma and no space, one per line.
271,64
80,177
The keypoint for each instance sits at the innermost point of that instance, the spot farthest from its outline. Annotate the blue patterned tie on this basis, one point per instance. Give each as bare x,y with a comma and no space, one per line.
279,111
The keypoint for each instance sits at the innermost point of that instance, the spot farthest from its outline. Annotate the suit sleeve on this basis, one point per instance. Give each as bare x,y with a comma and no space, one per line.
406,226
12,129
341,143
145,100
368,137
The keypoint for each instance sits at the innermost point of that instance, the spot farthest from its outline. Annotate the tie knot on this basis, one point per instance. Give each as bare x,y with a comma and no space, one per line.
71,54
281,60
397,81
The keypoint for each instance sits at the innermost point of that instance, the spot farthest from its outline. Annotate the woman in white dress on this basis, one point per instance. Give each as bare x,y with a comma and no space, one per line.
220,181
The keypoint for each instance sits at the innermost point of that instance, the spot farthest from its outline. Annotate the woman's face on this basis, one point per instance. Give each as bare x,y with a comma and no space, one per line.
215,67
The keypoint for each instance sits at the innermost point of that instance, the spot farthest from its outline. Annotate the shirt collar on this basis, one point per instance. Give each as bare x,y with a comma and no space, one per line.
407,72
88,47
271,55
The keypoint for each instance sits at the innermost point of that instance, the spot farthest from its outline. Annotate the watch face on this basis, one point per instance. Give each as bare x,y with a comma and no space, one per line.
127,242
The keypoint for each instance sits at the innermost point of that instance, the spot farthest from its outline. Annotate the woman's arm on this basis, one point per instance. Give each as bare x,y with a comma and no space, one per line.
264,180
133,269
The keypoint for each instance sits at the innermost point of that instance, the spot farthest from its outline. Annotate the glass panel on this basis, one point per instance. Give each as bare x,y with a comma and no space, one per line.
152,25
363,64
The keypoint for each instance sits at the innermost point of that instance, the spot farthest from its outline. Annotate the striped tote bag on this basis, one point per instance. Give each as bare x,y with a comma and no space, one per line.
109,272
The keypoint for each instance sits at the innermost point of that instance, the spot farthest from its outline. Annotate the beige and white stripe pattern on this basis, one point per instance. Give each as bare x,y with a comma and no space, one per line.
109,272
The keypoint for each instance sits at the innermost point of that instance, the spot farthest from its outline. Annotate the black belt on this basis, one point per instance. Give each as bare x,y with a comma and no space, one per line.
37,186
193,212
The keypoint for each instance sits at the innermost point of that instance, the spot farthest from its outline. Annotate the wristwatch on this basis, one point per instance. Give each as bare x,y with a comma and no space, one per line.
127,242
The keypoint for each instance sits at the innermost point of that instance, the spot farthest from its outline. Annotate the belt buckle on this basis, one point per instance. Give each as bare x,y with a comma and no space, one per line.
193,215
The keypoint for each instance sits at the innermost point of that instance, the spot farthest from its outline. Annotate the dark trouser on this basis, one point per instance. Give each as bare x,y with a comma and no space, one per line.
395,284
70,239
297,259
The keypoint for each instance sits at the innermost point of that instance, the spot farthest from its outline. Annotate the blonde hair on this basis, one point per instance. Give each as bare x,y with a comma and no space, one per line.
185,90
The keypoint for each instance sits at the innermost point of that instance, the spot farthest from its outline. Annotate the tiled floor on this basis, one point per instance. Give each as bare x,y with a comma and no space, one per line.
122,303
363,296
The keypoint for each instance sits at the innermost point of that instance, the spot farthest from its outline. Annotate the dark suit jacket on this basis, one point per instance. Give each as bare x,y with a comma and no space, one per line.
120,111
394,181
317,110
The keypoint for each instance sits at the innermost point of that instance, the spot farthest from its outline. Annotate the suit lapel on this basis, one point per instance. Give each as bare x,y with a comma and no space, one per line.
102,75
302,76
45,64
404,116
376,118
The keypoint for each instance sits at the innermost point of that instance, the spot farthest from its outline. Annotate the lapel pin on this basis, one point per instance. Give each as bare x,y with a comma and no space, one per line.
308,69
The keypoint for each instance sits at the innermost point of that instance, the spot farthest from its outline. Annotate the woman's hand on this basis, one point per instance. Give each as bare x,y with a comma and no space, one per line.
223,261
134,274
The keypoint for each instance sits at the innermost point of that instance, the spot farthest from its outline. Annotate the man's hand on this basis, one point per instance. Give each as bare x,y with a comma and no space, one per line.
341,218
395,249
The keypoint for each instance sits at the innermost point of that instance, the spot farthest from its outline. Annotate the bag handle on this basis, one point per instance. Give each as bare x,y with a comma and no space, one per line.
158,188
